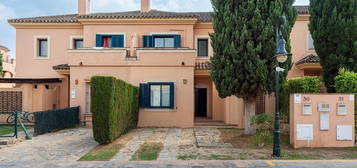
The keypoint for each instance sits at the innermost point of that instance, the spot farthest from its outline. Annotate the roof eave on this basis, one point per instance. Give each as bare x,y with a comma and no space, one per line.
95,21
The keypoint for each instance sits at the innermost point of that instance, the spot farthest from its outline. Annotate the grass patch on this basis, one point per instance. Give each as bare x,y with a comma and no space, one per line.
296,156
102,153
5,130
148,152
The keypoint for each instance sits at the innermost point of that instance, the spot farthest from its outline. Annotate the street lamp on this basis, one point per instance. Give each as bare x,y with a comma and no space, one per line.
281,57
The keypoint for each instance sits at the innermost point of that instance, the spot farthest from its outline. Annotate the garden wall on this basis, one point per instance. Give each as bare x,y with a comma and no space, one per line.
322,120
115,108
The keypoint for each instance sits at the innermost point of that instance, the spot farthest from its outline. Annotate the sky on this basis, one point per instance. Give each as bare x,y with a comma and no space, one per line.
30,8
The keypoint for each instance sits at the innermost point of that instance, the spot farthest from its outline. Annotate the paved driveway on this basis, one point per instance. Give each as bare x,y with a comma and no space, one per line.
182,164
64,145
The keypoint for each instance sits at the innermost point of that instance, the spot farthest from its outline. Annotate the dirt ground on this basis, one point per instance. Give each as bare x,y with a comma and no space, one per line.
240,141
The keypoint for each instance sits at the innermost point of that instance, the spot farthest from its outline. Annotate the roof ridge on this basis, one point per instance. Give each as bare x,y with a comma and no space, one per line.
73,18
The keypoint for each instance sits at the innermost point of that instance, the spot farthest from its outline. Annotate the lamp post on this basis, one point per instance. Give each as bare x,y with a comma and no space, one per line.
281,57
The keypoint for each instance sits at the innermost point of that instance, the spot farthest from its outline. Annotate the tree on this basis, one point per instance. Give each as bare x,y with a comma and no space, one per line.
244,44
333,26
1,68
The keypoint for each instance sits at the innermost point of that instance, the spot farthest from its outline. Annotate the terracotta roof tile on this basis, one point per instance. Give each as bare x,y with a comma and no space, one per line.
309,59
203,66
47,19
61,67
73,18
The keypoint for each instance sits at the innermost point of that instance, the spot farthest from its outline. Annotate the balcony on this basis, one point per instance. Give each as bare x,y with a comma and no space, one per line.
140,57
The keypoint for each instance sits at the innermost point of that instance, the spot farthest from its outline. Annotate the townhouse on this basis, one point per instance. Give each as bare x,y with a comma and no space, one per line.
165,53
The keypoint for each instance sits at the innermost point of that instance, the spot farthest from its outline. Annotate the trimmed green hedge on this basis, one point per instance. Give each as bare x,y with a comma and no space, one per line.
346,82
307,84
115,107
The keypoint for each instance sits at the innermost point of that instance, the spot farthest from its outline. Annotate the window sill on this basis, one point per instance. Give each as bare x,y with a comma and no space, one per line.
42,58
160,110
203,57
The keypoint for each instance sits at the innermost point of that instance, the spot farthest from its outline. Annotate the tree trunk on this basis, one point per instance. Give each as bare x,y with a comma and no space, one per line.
249,112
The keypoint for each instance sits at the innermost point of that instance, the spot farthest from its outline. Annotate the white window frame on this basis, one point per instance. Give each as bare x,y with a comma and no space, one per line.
36,47
113,33
72,38
210,51
308,42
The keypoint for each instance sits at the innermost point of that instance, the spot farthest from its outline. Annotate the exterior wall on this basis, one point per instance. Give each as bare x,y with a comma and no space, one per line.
234,111
151,66
90,31
299,43
8,67
321,138
38,99
28,66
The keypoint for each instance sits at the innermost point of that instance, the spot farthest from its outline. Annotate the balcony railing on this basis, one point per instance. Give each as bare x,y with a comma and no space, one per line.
139,57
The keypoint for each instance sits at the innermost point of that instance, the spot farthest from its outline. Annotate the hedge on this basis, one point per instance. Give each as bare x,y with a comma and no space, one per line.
114,106
46,121
307,84
346,82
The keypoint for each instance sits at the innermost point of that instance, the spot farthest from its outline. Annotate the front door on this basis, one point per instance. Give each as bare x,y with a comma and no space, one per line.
201,102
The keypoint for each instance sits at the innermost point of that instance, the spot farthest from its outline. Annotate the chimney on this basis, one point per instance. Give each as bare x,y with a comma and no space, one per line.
145,5
83,7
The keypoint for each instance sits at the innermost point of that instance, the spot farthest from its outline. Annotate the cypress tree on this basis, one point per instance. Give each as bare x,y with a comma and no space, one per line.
333,26
244,45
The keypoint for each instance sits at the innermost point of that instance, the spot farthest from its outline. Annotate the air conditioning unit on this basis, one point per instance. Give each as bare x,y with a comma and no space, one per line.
324,107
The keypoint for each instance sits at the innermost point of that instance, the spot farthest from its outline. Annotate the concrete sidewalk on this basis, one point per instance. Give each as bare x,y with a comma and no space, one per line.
185,164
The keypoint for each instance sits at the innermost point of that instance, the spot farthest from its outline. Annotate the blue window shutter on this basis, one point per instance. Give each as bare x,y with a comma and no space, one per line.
99,40
148,41
177,39
118,41
144,95
172,95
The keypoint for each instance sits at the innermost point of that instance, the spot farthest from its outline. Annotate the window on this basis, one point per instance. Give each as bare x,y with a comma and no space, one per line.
202,47
107,41
110,41
42,48
78,43
310,42
157,95
162,41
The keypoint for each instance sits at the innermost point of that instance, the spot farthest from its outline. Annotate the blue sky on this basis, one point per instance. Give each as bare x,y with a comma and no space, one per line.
28,8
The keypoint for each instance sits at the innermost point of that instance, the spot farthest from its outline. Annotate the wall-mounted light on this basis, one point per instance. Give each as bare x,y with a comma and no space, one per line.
76,82
183,63
185,81
81,64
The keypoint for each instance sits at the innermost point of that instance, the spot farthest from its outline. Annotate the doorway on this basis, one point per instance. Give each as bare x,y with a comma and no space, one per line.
201,102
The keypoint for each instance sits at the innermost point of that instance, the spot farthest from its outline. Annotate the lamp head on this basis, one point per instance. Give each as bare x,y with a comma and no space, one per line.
281,53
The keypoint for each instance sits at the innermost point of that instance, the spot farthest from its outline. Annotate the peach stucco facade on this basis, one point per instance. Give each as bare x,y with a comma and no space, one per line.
134,63
8,65
325,126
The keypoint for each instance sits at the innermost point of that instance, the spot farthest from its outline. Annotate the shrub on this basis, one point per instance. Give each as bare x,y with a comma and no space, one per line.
346,82
264,126
115,107
307,84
